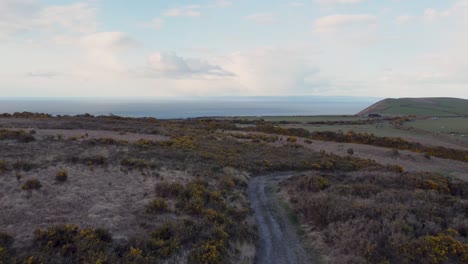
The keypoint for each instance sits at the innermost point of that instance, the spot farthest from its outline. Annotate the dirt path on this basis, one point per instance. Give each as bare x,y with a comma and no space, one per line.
279,241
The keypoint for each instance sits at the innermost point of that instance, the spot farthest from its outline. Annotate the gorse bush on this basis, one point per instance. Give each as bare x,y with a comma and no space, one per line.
18,135
61,175
23,165
6,241
137,164
370,217
169,190
157,205
69,244
4,167
31,184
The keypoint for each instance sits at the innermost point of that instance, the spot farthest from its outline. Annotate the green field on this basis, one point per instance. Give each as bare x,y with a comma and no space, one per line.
443,125
420,107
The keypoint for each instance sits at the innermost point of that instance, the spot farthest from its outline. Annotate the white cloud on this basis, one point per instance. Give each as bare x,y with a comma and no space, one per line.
156,23
333,23
261,17
22,16
223,3
78,17
43,74
272,71
108,41
327,2
404,19
185,11
431,14
296,4
169,65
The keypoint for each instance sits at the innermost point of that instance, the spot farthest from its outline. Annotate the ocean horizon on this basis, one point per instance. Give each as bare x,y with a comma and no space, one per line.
191,107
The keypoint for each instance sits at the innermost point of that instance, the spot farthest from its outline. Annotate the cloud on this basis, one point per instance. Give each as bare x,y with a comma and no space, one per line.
15,16
22,16
108,41
156,23
98,51
271,71
78,17
404,19
223,3
328,2
333,23
185,11
296,4
43,74
169,65
431,14
261,17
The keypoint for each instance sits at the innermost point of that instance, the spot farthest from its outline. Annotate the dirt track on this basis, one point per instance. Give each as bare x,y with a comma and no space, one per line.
279,241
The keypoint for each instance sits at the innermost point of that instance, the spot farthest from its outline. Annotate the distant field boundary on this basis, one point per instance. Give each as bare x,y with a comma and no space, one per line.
366,139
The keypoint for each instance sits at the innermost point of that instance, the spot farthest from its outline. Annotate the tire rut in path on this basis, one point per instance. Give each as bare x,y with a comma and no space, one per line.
279,242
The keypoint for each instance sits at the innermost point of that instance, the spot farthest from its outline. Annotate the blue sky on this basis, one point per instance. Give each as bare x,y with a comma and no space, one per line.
383,48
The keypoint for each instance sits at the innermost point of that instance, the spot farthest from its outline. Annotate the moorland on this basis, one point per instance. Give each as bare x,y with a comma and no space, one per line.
322,189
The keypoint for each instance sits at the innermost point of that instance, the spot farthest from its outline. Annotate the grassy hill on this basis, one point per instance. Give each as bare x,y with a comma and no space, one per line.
419,106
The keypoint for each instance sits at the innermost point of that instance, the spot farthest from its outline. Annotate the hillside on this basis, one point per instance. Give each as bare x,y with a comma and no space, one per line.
419,106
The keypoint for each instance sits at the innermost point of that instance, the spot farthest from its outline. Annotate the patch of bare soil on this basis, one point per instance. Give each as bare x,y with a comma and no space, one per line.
279,241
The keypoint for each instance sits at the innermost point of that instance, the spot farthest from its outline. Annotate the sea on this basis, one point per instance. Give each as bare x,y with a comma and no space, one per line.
191,107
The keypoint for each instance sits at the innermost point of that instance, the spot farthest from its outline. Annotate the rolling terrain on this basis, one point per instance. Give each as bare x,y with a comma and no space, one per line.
109,189
440,107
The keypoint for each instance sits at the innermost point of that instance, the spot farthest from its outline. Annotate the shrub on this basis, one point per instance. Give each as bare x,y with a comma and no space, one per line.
94,160
61,176
157,205
69,244
208,252
164,240
5,240
292,139
137,164
427,155
386,218
169,190
18,135
32,184
3,166
23,166
19,176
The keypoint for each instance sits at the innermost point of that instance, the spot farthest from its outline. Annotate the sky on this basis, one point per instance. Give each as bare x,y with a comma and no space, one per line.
148,48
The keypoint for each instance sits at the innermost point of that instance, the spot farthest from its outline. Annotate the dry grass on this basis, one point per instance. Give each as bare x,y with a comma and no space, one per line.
383,217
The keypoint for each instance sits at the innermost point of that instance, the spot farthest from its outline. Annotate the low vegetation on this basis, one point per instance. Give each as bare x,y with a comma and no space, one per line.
365,138
17,135
31,184
190,188
383,217
61,176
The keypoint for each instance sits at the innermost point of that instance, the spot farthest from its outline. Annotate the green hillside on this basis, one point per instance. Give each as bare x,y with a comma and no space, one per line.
419,107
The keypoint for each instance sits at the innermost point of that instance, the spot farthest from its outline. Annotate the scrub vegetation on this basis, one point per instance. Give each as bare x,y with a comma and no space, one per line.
179,195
